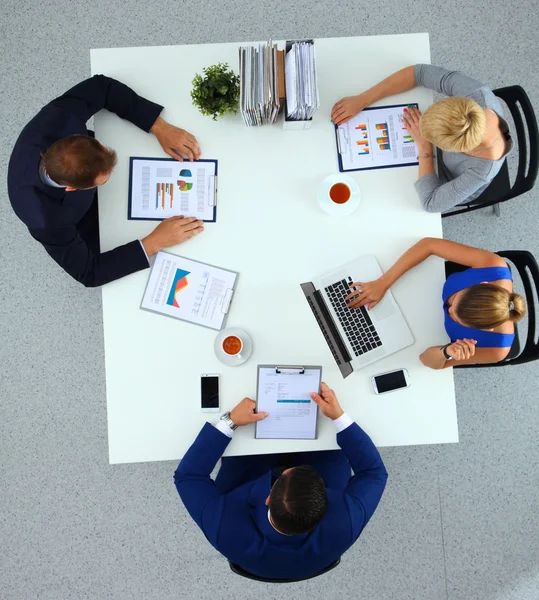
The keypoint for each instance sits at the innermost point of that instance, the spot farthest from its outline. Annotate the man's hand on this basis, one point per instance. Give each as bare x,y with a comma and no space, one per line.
176,142
171,232
244,413
328,403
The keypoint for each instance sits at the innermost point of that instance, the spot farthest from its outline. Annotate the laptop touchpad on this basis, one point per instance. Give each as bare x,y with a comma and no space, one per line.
385,308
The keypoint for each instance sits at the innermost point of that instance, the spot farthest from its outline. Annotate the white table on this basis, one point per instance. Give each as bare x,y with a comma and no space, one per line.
270,229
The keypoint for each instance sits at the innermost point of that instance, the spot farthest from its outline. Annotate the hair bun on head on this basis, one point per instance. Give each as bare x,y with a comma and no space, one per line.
454,124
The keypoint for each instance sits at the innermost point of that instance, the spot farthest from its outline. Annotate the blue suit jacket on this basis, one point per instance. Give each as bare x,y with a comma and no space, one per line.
237,525
52,214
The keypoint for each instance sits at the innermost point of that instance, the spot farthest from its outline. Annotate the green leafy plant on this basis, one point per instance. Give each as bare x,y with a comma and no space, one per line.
217,92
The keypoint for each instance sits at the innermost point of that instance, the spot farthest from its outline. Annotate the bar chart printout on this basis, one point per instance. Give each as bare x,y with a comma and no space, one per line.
376,138
286,396
189,290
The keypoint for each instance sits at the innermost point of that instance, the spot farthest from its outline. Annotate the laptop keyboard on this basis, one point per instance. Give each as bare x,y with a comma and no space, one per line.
356,322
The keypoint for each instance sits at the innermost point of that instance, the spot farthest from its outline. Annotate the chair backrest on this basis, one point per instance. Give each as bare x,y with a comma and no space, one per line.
519,105
239,571
528,269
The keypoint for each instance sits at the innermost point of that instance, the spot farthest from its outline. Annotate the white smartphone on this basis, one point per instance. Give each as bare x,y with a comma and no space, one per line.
209,392
390,381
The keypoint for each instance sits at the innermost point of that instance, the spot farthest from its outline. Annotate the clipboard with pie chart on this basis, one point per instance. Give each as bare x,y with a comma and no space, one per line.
160,188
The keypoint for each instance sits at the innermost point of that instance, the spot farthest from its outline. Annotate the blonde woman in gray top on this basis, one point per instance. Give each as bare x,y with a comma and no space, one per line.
467,127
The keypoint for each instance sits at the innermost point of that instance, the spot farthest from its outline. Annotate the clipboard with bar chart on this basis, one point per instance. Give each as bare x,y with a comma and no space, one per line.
376,138
160,188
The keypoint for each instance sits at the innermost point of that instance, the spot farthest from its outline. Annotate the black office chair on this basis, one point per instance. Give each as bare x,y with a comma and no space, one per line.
500,189
239,571
528,270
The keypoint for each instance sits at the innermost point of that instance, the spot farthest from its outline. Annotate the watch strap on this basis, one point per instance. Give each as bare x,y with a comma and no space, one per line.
444,351
226,418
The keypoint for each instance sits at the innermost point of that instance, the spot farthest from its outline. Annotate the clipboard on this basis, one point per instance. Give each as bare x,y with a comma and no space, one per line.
214,182
338,142
285,395
169,280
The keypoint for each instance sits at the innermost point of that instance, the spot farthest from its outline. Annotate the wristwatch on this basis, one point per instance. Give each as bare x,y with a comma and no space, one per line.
446,355
226,418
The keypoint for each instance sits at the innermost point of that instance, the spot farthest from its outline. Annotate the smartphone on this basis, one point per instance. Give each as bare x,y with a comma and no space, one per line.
209,392
390,381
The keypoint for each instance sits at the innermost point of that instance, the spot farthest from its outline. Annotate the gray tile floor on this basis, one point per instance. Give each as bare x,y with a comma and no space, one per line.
457,522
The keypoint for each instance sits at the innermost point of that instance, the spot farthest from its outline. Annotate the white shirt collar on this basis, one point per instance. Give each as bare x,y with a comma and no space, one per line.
43,175
269,519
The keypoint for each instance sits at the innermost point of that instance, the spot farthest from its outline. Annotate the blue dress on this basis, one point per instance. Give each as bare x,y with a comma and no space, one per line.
464,279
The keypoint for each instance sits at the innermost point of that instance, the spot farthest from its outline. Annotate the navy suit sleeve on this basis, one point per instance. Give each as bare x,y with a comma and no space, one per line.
67,247
366,486
90,96
198,491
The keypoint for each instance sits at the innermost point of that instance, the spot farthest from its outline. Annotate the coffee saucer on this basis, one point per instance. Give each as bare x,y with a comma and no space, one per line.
233,361
338,209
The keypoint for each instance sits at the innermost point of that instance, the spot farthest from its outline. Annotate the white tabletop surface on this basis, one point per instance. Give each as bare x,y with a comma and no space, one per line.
271,229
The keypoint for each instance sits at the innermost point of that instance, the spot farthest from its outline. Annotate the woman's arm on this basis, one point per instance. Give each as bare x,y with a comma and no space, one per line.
436,196
444,81
372,292
348,107
434,358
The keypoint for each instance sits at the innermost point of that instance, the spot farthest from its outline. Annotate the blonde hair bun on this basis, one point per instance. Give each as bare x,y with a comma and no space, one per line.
517,307
454,124
487,305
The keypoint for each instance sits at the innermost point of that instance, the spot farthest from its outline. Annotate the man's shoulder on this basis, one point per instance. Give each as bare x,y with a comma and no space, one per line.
49,125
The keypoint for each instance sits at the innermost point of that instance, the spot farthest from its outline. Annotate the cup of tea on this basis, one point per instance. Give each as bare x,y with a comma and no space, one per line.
232,345
340,193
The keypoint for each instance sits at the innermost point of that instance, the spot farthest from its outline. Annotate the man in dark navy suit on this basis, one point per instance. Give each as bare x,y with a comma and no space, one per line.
56,166
287,526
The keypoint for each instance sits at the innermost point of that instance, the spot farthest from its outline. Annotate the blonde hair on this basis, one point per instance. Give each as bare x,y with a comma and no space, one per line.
454,124
486,306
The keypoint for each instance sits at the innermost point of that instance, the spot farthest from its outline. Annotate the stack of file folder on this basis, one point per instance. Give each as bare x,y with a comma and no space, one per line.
261,83
302,96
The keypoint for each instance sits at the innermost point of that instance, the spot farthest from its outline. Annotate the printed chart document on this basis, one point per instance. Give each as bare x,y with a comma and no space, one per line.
284,392
189,290
376,138
163,187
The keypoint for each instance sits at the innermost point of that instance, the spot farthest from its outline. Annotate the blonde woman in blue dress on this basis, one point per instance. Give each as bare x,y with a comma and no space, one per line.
480,307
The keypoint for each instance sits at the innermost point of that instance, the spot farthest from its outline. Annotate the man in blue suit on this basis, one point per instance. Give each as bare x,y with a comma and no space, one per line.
290,526
57,164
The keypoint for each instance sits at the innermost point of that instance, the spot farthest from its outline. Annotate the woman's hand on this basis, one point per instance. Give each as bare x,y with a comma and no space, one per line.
410,120
461,349
369,293
348,107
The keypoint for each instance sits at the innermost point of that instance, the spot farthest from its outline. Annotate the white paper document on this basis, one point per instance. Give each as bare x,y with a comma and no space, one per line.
284,393
189,290
301,81
162,188
376,138
259,100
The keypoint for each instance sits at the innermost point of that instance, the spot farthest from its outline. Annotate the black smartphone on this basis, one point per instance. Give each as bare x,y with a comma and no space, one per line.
209,392
390,381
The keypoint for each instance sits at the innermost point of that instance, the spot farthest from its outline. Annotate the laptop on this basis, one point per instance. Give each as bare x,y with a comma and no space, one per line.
356,337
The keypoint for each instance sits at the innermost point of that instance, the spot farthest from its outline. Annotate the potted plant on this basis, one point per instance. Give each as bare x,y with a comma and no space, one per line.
217,92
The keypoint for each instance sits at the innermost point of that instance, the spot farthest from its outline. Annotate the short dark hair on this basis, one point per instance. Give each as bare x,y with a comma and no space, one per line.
77,161
298,500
